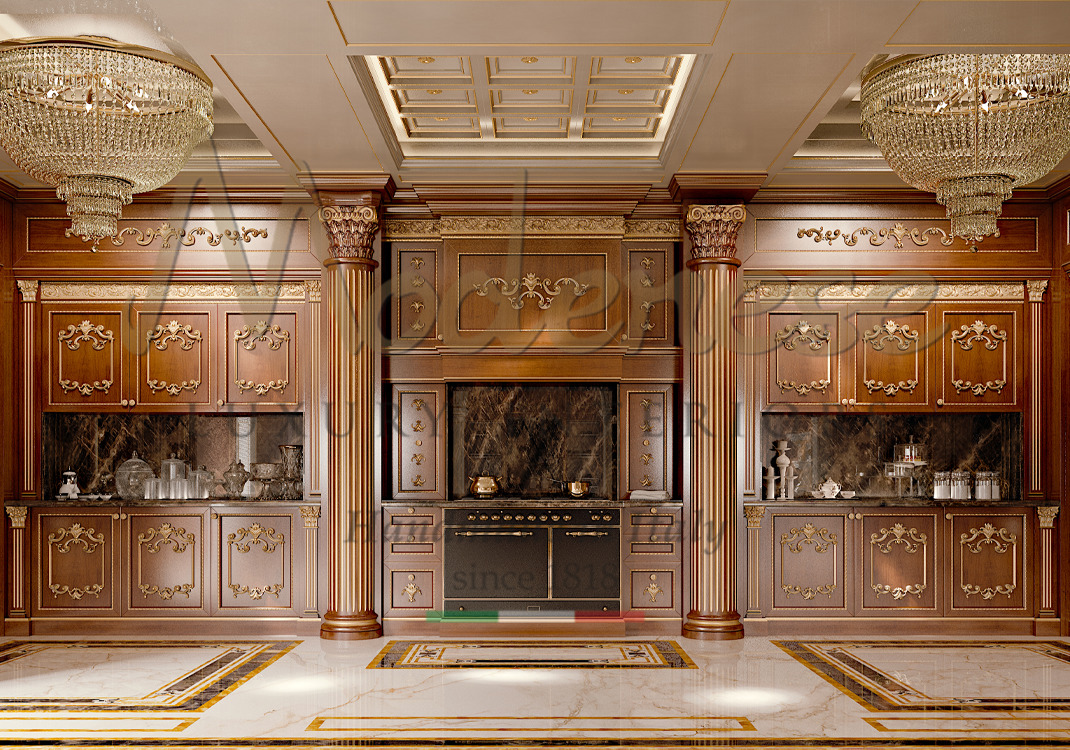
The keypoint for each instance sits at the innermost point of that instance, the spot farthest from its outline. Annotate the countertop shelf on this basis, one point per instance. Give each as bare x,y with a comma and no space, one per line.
904,502
96,502
531,502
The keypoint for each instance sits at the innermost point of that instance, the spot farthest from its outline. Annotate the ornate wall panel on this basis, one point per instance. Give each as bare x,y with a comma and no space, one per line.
255,562
75,558
418,445
416,296
803,367
85,356
174,351
980,349
899,553
891,361
261,357
808,562
988,562
165,562
646,439
650,297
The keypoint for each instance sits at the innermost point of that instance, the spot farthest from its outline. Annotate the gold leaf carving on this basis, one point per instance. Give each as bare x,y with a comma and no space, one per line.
754,514
75,593
350,230
126,291
890,389
266,537
898,592
920,237
968,335
803,388
653,589
814,335
667,229
62,539
418,481
17,514
85,331
978,389
490,226
311,516
411,589
910,539
886,292
713,229
173,331
809,592
531,286
256,592
820,539
166,233
1001,539
273,336
890,332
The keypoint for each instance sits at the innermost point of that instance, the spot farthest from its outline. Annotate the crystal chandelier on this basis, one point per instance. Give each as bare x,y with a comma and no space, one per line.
100,121
970,128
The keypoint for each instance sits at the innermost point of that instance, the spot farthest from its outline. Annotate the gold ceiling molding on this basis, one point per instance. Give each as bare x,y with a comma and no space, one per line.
121,292
411,229
661,229
543,226
921,290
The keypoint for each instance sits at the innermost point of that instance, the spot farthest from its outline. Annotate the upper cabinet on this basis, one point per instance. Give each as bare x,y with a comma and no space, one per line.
895,355
179,357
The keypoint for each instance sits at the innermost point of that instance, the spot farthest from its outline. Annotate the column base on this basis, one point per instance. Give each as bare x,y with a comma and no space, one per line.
358,627
712,627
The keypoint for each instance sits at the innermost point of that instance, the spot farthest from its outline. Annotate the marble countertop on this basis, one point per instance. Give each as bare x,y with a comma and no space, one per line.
115,500
531,502
903,502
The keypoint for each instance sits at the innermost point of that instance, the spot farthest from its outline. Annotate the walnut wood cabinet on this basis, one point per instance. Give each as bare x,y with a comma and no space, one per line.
651,555
646,452
177,560
412,560
894,356
174,357
418,444
840,561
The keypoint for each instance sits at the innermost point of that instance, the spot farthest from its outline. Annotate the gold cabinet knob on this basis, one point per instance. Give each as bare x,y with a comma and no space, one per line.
122,516
219,403
653,537
115,516
412,538
653,510
123,402
947,516
939,402
843,402
851,516
851,402
131,403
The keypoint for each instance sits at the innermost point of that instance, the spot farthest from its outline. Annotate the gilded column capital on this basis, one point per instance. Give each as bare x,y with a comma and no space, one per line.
1047,514
754,514
351,230
28,288
1035,289
310,514
17,514
713,230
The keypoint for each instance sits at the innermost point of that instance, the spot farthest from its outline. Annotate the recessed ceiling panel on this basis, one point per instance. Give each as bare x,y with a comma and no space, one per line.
635,68
531,68
418,100
425,69
441,127
535,100
531,127
634,101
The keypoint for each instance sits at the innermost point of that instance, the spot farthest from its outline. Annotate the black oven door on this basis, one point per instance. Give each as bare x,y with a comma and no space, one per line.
586,563
497,563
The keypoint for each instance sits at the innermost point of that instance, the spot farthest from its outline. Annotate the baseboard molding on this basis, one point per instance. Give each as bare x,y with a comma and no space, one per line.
854,626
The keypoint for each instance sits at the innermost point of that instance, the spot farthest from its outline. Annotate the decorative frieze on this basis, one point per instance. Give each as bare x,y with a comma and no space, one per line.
652,229
713,230
834,291
124,292
543,226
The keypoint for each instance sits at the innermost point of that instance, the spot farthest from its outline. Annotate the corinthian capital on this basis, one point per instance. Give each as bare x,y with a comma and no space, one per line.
350,229
713,230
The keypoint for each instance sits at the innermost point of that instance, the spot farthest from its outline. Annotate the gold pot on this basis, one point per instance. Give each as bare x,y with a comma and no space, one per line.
578,489
484,486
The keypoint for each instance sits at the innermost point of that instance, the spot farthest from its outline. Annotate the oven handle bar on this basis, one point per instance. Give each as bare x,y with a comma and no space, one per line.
493,533
586,533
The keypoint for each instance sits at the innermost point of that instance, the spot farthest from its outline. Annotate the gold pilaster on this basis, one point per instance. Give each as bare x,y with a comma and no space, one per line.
28,290
754,514
310,514
1035,294
1047,514
712,359
16,599
350,286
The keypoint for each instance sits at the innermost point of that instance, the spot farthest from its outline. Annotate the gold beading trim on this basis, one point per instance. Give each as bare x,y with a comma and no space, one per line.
714,229
1046,514
350,230
546,226
931,291
411,229
135,291
662,229
28,289
17,514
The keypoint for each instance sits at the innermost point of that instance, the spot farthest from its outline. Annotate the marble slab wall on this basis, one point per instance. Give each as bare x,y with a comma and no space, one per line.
534,435
94,445
852,449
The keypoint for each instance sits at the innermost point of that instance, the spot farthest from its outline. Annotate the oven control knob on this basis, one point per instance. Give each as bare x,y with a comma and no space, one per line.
495,518
568,517
542,518
607,518
594,516
471,516
482,517
507,517
531,518
555,518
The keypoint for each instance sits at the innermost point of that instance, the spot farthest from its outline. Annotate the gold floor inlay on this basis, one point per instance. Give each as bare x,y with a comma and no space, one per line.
531,654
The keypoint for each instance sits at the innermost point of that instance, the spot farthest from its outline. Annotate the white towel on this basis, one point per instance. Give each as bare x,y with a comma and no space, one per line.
649,495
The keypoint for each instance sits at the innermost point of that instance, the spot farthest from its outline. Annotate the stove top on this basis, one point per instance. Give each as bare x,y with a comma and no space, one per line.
551,516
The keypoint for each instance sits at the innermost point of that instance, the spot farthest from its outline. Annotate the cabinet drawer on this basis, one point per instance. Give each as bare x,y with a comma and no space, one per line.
654,589
412,589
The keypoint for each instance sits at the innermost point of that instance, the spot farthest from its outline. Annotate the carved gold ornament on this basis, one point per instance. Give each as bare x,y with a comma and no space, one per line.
814,335
418,481
179,540
647,263
1001,539
266,537
274,337
545,226
310,514
411,589
898,592
418,426
165,592
73,338
350,230
968,335
417,325
76,593
417,262
819,539
129,291
647,308
646,458
1046,514
61,542
668,229
891,331
417,306
910,539
803,388
928,291
890,389
978,389
754,514
919,237
653,589
186,337
713,230
256,592
17,514
417,458
417,403
28,289
646,481
531,286
809,592
187,238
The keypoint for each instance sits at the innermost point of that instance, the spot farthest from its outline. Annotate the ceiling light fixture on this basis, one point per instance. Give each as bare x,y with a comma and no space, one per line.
99,120
969,128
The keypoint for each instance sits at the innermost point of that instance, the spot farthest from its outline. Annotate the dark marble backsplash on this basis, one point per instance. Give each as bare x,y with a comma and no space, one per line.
851,449
94,445
533,435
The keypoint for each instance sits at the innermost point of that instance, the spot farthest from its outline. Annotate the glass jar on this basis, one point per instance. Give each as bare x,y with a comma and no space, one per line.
960,485
942,485
234,479
201,483
131,476
172,468
986,486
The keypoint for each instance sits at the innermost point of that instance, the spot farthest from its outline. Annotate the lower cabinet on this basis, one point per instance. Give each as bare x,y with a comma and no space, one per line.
178,561
827,561
651,559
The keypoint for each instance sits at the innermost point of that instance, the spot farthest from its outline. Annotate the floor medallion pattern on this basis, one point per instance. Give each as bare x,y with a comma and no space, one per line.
909,676
531,654
128,675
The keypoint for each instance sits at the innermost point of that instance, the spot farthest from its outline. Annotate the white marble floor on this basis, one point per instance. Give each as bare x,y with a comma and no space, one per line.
759,692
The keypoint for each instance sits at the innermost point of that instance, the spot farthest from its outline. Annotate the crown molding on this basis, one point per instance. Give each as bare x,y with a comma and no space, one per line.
9,191
508,198
732,187
1059,190
341,187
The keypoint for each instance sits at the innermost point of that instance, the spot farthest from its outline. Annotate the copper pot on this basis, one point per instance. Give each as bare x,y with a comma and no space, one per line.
578,489
483,486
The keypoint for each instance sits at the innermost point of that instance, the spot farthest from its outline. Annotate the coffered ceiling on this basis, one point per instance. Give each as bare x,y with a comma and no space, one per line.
509,92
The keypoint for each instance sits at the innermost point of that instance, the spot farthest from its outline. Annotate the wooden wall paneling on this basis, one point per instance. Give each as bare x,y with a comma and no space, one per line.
1037,389
900,555
419,438
87,357
650,286
802,239
29,388
265,356
1059,372
412,560
646,440
991,553
75,562
165,561
173,350
981,356
416,298
803,362
891,359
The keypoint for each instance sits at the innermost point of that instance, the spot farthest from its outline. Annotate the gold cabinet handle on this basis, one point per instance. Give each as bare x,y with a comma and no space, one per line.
132,403
851,402
653,537
851,516
947,516
124,402
843,402
122,516
939,402
115,516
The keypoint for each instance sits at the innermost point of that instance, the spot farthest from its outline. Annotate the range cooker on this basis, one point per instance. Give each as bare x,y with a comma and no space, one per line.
527,558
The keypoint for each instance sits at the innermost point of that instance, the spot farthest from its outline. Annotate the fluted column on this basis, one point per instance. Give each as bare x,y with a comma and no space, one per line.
351,361
712,398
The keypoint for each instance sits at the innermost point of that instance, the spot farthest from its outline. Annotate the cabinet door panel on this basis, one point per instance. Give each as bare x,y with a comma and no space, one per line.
173,357
261,359
808,562
654,589
980,358
899,559
165,562
255,561
803,360
891,359
647,436
419,444
988,562
75,557
85,357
